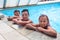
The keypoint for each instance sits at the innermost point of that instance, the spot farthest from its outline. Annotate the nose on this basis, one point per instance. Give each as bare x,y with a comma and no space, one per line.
42,22
24,16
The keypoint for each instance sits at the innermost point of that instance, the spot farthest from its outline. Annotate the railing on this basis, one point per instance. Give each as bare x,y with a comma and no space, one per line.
15,3
45,2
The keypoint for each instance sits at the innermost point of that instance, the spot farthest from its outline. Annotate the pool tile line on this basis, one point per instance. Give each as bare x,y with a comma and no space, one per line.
11,23
3,36
16,29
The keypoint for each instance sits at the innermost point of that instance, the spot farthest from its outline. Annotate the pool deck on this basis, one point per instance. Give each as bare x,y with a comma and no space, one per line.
9,31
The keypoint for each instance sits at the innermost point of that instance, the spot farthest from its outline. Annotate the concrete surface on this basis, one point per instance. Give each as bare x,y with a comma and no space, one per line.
10,31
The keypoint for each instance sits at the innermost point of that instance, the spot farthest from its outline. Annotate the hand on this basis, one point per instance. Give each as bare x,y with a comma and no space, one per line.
40,29
26,22
15,17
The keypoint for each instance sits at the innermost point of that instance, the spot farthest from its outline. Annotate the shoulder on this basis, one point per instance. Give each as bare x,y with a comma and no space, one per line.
30,21
37,25
20,17
50,28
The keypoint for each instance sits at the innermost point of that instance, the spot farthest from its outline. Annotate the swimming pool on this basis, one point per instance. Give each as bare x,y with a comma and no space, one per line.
52,10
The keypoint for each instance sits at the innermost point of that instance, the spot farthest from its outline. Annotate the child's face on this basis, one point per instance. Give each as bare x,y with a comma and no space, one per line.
43,21
16,13
25,15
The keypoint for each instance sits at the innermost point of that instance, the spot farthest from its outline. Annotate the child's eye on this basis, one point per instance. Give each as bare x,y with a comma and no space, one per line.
40,21
22,15
44,21
25,15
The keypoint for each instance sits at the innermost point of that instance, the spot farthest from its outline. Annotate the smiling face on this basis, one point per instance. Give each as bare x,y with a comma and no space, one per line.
16,13
43,21
25,15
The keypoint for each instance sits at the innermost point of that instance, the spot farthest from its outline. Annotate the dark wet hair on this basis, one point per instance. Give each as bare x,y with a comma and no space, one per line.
25,10
46,17
16,11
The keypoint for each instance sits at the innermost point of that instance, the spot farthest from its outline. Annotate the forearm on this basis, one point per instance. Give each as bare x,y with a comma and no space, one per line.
25,22
29,21
49,32
21,22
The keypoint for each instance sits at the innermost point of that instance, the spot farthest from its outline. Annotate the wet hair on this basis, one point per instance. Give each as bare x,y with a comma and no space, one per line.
16,11
46,17
25,10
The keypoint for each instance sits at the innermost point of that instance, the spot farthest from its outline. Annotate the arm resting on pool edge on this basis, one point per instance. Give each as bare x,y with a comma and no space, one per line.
49,31
24,22
21,22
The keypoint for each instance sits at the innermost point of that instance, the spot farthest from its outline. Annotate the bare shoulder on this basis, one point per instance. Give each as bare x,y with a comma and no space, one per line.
20,17
30,21
37,25
50,28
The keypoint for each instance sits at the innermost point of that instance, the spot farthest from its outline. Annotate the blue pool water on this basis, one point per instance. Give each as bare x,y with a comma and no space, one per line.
52,10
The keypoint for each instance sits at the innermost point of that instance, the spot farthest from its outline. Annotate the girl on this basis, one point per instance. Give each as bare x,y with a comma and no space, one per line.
43,26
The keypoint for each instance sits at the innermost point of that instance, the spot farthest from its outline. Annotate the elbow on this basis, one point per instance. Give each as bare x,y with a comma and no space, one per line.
54,34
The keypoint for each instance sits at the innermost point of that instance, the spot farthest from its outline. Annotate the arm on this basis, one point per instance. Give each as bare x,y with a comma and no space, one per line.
25,22
29,21
48,31
22,22
14,17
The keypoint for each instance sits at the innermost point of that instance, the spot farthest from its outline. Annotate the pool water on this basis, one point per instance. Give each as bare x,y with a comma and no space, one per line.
52,10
